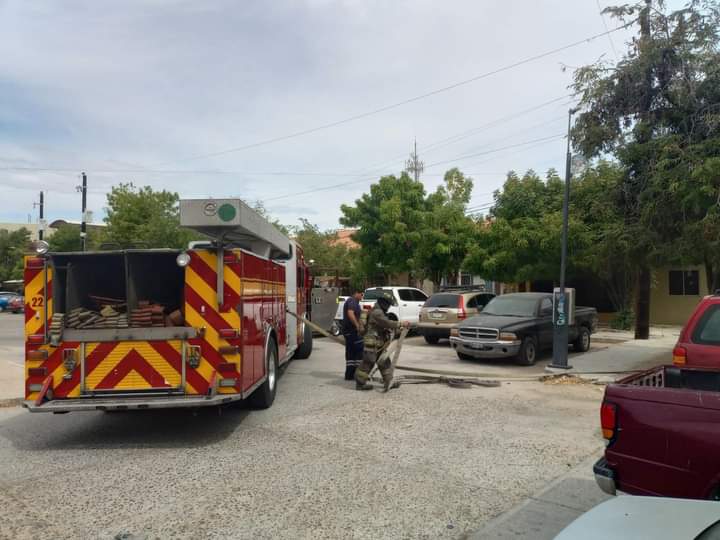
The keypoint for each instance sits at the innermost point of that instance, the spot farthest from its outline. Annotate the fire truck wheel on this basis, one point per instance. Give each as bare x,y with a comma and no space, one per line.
264,396
304,350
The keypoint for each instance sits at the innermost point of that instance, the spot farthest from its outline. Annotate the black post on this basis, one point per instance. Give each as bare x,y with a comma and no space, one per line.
83,233
561,308
42,215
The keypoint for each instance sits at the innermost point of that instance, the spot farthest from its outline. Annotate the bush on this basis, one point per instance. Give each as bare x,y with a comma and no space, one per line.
624,320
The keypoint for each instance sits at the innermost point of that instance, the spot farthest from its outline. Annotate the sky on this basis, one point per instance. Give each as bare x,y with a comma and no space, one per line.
177,95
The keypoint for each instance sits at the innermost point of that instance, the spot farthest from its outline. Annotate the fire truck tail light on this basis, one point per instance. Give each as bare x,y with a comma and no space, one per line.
228,382
228,333
227,367
679,356
36,339
608,420
35,262
40,354
35,387
37,372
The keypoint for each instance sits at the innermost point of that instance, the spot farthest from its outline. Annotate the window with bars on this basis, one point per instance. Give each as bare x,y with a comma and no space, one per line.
684,282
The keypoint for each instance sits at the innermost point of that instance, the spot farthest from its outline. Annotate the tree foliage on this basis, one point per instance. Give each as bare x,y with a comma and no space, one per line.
322,247
658,112
447,230
13,245
142,217
67,238
390,224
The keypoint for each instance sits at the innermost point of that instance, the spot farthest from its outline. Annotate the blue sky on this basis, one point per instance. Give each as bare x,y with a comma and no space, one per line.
129,91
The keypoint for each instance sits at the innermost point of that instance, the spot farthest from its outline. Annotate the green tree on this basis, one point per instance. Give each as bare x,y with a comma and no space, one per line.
651,110
447,231
13,246
67,238
322,247
144,217
520,240
390,224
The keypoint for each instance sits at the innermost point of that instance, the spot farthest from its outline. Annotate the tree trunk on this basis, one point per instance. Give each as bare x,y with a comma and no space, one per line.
642,312
709,276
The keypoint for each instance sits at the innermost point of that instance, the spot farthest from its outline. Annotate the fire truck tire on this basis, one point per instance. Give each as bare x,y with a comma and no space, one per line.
263,397
305,348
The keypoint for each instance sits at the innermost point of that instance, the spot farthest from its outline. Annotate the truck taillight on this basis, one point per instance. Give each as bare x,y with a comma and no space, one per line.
608,420
228,333
461,308
679,356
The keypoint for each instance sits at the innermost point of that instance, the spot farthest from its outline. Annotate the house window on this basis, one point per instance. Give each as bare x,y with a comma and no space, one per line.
684,282
466,279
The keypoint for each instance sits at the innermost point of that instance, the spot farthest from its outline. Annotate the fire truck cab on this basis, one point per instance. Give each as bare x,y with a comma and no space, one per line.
160,328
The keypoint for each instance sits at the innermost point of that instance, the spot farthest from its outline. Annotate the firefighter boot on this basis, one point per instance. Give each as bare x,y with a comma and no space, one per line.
386,370
361,379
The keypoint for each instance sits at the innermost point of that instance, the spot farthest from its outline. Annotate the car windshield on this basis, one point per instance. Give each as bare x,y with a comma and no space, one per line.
511,306
443,300
374,294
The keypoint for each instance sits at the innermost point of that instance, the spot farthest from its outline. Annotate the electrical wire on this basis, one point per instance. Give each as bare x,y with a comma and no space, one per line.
403,102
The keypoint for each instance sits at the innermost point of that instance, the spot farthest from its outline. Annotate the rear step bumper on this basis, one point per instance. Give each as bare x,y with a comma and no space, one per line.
605,477
129,403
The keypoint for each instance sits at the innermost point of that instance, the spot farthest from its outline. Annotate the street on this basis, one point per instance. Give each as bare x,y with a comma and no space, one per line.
424,461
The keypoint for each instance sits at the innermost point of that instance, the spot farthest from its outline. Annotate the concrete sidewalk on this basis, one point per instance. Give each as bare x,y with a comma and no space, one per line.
626,356
543,515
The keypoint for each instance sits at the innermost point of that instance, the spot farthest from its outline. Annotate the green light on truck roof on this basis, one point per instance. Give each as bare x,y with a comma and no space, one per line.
227,212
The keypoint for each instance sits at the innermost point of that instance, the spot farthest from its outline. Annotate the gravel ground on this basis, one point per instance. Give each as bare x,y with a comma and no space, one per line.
424,461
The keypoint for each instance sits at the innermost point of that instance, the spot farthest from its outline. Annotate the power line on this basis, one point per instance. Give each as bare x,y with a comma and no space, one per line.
602,16
465,156
405,101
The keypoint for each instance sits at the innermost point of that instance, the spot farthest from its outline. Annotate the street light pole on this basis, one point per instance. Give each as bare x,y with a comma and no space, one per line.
561,308
83,226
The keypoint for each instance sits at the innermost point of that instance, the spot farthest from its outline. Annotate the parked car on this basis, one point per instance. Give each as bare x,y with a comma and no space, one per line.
699,341
518,325
640,518
444,310
662,429
406,305
16,304
336,327
5,298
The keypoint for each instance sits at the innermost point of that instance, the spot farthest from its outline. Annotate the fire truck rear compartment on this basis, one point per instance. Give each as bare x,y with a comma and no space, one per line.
126,276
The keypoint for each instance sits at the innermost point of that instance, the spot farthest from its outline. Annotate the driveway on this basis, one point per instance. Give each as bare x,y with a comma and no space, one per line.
326,461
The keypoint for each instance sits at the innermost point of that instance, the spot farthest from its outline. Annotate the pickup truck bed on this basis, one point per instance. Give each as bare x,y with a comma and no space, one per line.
663,431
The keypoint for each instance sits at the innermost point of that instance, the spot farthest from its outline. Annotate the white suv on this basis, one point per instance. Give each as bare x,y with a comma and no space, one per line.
406,305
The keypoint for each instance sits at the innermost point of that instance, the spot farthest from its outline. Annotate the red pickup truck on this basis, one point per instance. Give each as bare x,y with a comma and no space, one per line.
663,432
699,342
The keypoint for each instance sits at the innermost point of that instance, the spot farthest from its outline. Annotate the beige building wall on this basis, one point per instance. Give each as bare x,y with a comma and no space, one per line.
674,309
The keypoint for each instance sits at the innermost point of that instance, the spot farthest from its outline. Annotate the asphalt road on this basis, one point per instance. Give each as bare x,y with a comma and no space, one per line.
326,461
12,370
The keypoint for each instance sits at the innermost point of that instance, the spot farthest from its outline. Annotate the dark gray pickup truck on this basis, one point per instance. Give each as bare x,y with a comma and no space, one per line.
518,325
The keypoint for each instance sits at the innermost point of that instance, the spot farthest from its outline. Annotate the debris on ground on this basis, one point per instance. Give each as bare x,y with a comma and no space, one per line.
564,378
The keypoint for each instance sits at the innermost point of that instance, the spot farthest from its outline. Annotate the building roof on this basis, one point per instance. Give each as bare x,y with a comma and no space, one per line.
344,238
62,222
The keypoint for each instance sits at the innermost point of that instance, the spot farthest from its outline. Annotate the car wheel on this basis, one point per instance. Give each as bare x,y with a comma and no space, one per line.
582,343
528,351
463,356
2,308
431,340
335,329
264,396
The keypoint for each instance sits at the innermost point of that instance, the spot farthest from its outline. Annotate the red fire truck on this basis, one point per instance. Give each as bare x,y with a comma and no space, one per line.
160,328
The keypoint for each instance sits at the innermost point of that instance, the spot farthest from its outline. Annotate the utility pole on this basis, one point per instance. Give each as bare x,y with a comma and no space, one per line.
561,309
414,165
41,221
83,225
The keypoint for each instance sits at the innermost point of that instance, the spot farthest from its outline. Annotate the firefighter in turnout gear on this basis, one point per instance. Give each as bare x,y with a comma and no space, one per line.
378,333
